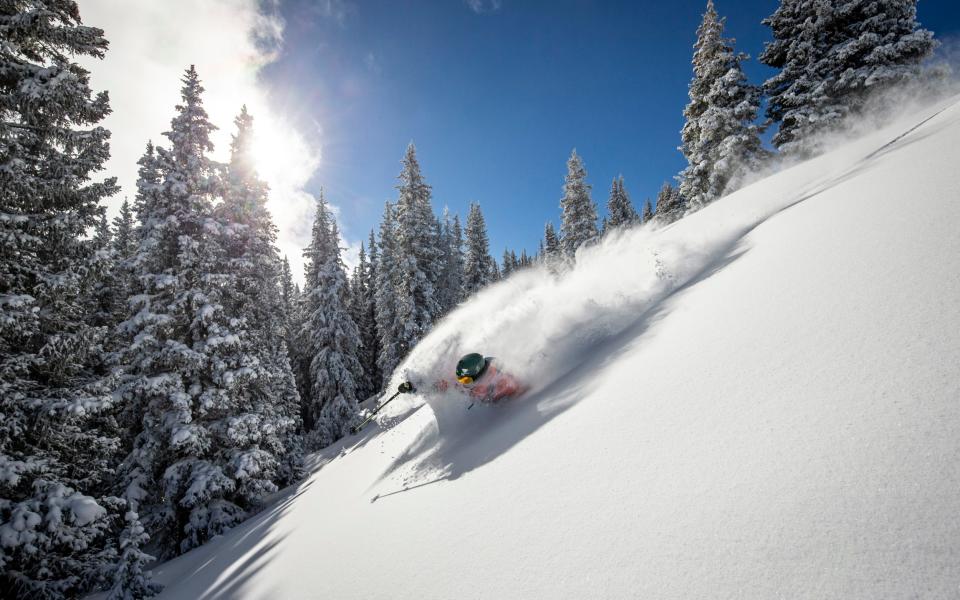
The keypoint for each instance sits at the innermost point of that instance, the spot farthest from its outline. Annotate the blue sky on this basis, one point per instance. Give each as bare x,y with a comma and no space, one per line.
496,98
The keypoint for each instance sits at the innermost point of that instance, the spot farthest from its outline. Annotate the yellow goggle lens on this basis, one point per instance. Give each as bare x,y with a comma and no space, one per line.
465,380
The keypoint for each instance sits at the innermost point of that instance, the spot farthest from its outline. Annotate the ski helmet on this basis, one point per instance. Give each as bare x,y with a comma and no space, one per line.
470,368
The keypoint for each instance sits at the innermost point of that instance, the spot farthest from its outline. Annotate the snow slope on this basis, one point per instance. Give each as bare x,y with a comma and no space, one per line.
759,401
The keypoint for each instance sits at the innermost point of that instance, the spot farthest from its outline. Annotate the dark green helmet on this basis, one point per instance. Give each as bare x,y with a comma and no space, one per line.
472,366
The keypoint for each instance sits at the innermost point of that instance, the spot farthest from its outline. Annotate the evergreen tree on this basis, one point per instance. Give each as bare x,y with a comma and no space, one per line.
647,212
148,205
525,260
578,218
56,443
831,55
551,252
334,340
102,236
509,263
130,582
264,401
622,212
105,302
479,266
451,283
417,258
363,313
720,139
124,243
670,204
193,469
289,298
369,337
123,248
385,295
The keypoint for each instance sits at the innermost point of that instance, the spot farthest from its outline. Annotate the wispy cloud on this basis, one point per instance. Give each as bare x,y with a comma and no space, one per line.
337,10
484,6
230,42
371,62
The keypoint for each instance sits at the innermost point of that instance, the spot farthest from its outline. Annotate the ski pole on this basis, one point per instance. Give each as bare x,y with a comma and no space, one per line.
405,388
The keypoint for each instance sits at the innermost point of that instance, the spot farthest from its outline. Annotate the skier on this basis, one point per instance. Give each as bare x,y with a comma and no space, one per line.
481,378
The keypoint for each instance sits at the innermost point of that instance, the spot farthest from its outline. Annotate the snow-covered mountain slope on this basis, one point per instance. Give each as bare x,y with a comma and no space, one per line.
759,401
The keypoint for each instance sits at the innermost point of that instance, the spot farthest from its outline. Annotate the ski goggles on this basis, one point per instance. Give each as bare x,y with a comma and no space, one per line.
465,380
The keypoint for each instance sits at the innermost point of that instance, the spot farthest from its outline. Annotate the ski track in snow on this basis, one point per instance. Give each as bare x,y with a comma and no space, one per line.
757,401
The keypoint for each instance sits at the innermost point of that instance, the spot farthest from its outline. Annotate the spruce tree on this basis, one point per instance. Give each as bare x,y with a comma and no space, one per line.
508,263
578,217
670,204
525,260
622,212
193,469
124,243
56,442
148,205
369,337
831,56
417,258
551,245
333,338
261,392
647,212
124,248
720,140
451,282
479,266
130,582
385,295
105,301
361,309
288,302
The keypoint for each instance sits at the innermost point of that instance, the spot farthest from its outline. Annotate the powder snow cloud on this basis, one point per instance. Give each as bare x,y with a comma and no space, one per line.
230,42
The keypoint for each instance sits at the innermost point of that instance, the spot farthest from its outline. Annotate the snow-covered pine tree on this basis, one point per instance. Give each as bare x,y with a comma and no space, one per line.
105,301
102,235
261,434
124,243
451,282
831,56
621,210
417,258
288,303
478,267
385,294
647,212
525,260
333,338
508,263
130,582
670,204
362,311
124,247
56,446
191,472
720,140
147,204
369,337
551,252
578,216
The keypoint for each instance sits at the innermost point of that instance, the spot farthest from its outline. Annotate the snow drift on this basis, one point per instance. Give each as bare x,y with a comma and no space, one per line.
756,401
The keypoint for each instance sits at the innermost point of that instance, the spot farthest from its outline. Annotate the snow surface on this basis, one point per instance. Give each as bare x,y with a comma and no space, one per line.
758,401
